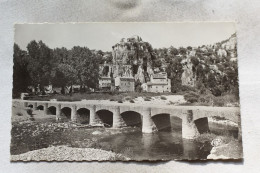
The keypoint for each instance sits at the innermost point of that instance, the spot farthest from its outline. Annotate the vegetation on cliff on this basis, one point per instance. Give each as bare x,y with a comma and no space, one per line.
206,70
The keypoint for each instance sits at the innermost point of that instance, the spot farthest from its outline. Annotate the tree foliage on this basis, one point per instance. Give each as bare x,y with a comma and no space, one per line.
41,66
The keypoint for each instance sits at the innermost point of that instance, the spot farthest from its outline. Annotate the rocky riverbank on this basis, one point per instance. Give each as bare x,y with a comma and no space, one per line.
222,150
64,153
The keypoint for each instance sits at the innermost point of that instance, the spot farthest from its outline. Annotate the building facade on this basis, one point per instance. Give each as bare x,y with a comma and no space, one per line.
159,83
127,84
105,83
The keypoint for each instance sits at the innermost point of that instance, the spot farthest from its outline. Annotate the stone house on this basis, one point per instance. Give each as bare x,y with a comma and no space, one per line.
105,83
125,84
159,83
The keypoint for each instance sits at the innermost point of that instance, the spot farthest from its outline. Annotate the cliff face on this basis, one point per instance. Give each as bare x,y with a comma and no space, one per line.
188,77
132,58
135,58
211,55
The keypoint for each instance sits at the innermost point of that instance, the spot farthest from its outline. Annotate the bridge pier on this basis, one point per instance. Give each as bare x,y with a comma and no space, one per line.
58,112
189,129
25,104
92,115
73,113
147,123
116,118
34,106
45,108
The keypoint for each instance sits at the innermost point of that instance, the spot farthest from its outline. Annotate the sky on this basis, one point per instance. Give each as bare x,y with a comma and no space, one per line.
102,36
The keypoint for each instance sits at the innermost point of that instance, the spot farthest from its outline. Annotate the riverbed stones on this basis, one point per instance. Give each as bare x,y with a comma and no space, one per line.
62,153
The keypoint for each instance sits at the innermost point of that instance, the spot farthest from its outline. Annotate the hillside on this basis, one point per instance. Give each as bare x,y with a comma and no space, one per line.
211,68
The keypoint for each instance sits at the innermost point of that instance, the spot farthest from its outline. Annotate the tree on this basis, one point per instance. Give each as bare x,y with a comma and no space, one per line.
21,76
173,51
82,67
189,48
182,51
157,63
138,87
39,65
174,72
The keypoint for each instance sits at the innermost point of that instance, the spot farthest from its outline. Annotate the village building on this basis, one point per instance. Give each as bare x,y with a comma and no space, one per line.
159,83
105,83
125,84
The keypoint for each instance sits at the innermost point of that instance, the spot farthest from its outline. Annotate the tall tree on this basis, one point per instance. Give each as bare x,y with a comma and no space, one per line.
174,72
21,77
39,67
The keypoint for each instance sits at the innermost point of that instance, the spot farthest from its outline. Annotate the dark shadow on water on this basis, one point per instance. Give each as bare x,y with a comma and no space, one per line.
51,110
83,115
162,122
106,117
132,118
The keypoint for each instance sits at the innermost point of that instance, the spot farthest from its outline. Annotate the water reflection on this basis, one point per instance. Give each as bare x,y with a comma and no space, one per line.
130,141
160,145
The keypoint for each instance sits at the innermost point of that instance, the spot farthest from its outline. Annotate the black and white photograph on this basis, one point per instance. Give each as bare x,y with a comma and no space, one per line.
123,91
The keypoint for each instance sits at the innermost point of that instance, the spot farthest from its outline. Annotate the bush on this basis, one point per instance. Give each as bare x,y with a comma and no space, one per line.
29,111
32,118
132,101
163,98
187,88
120,101
191,97
112,100
219,101
218,118
208,99
128,98
211,100
147,99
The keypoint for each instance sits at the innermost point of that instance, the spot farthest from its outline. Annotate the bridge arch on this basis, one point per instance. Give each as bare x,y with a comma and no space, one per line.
202,124
52,110
30,105
231,115
66,113
83,115
106,117
131,118
40,107
162,121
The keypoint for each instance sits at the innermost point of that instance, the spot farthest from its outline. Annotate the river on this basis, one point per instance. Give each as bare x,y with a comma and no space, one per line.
130,141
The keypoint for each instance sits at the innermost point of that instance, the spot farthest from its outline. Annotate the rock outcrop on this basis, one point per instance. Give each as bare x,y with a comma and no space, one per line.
216,53
131,58
188,77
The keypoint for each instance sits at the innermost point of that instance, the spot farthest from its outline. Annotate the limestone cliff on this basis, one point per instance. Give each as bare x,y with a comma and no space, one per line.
187,78
132,58
210,54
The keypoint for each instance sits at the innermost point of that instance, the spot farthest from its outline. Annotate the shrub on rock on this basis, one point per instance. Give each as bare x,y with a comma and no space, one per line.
191,97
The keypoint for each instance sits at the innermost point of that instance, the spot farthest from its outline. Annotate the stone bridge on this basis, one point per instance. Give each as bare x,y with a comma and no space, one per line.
151,117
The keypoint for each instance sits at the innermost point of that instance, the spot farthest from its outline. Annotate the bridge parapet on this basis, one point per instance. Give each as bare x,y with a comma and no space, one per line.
137,109
54,104
110,108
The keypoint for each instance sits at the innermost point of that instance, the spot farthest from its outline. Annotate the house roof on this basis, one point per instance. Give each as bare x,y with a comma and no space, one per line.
105,77
160,76
150,83
127,79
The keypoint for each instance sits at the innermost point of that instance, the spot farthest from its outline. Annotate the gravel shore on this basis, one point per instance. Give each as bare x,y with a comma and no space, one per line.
64,153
